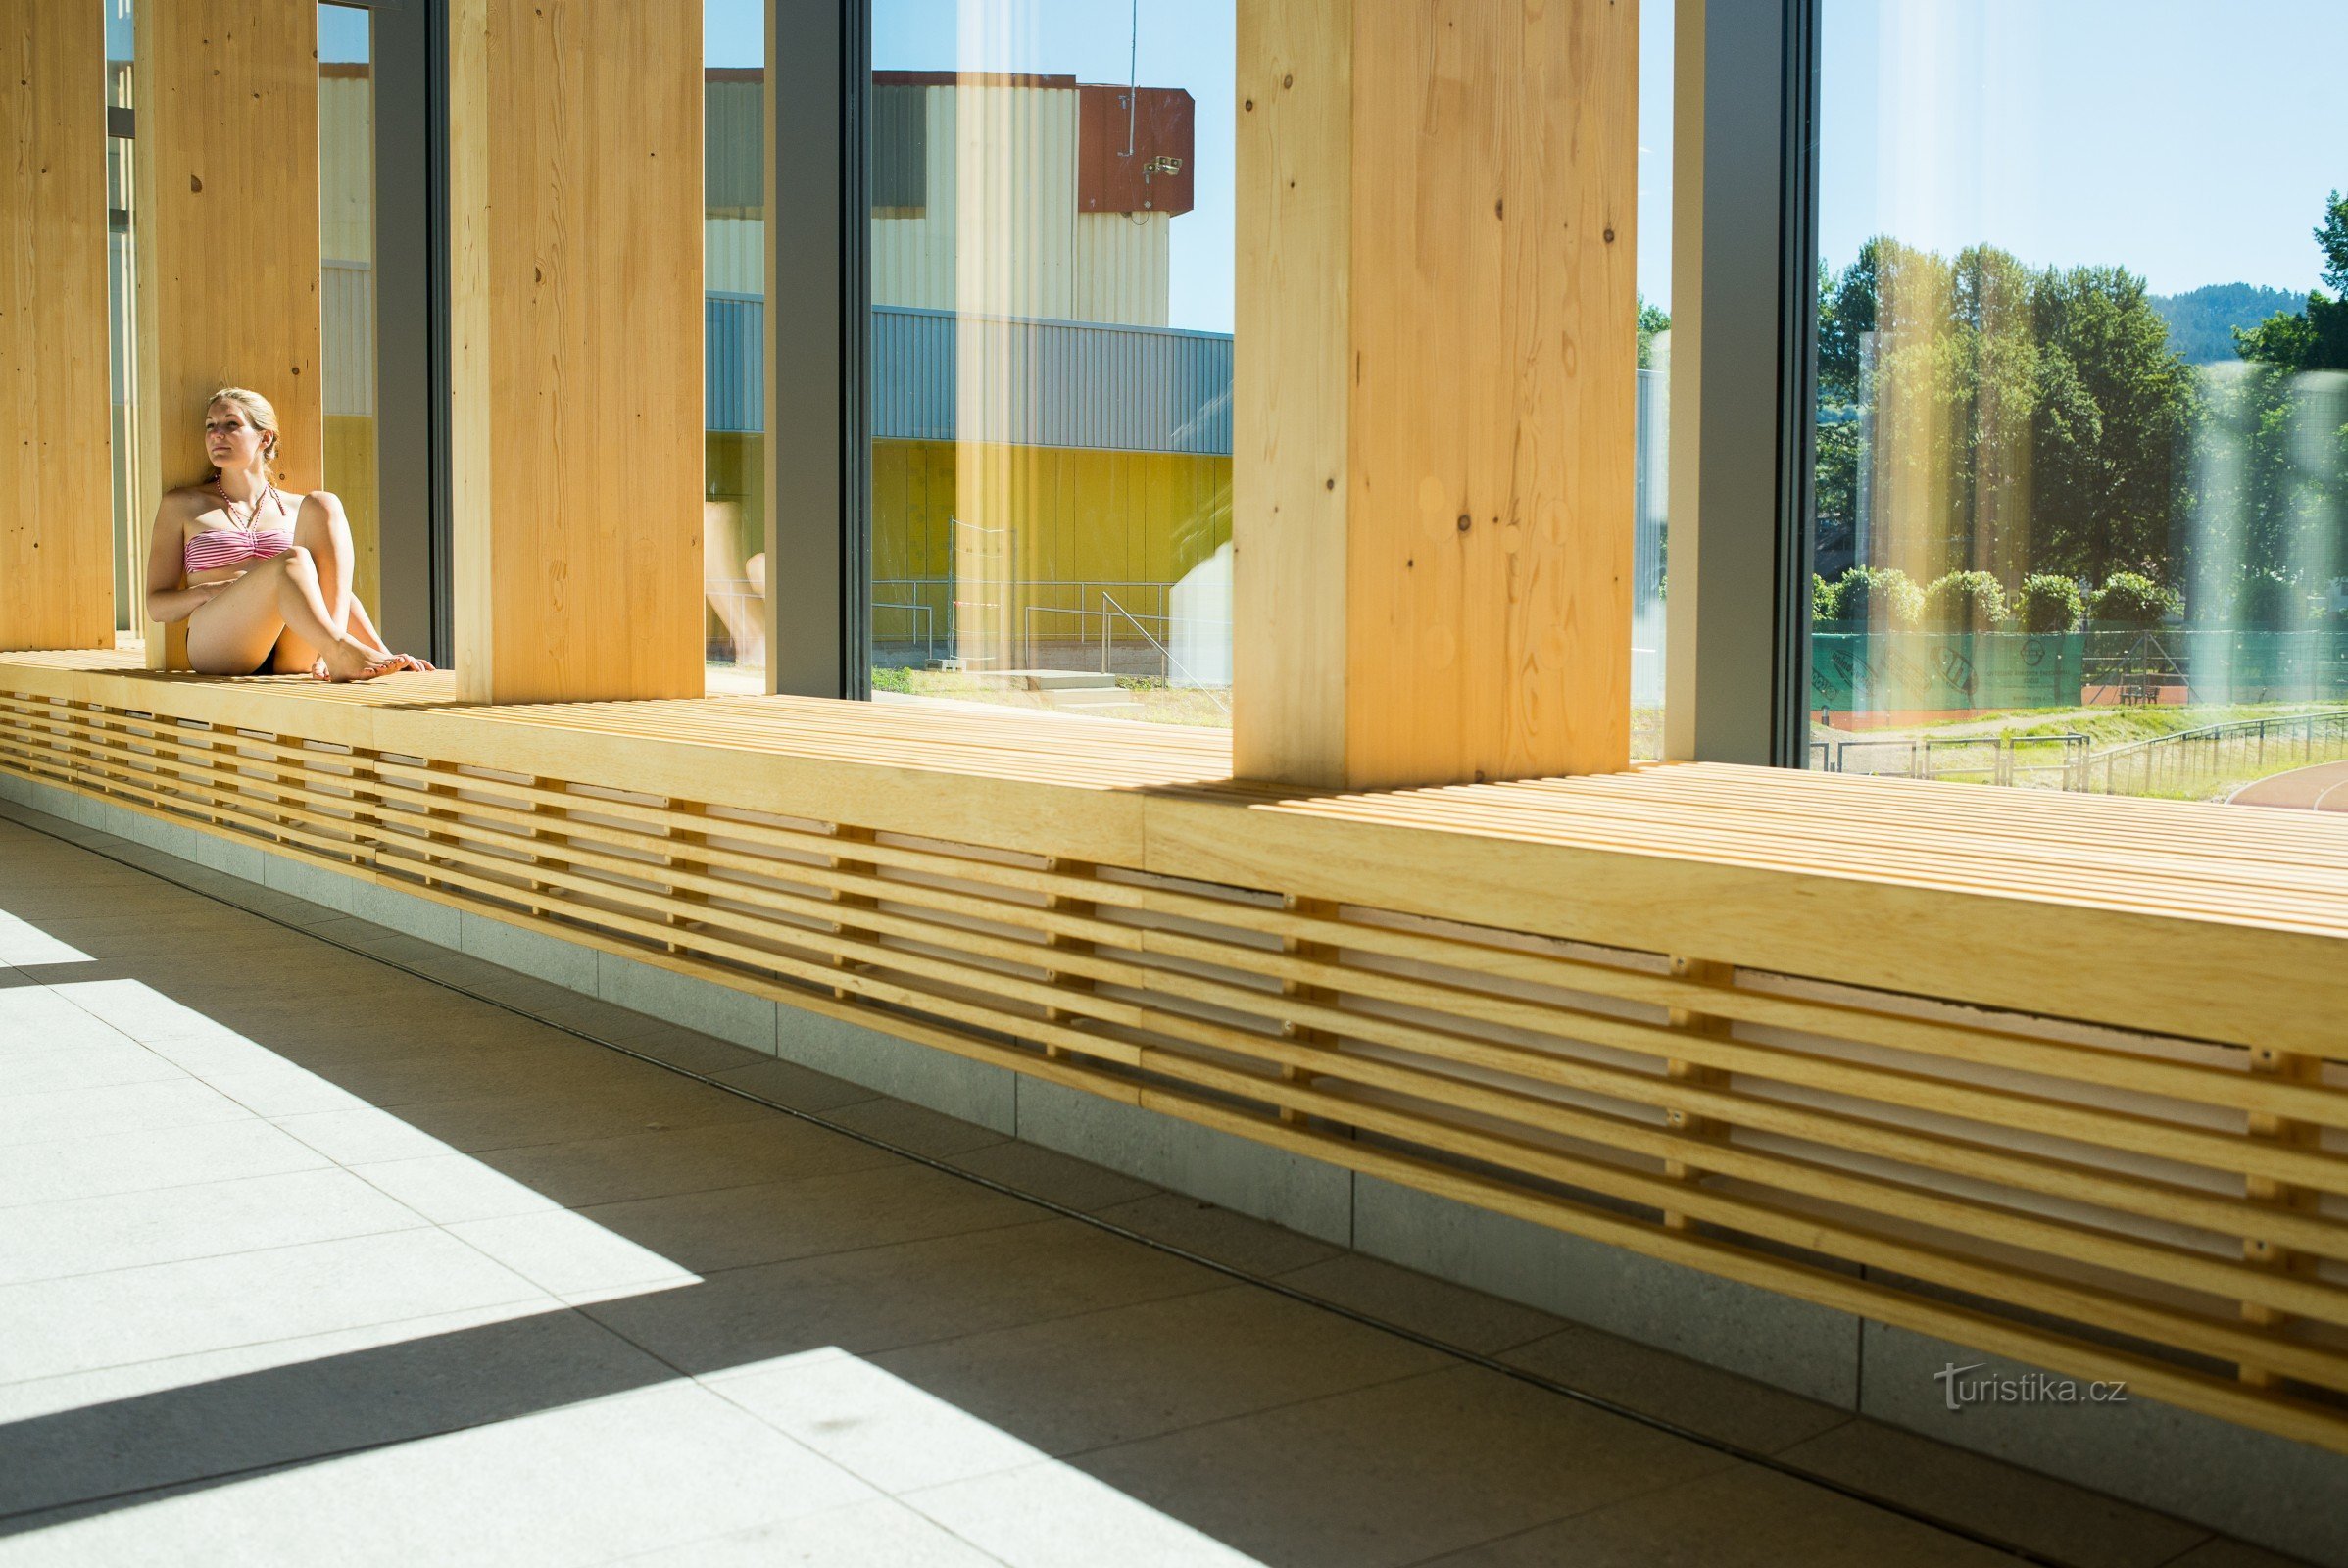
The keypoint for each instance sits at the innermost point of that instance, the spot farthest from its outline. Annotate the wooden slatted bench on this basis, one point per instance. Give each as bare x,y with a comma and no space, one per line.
2059,1077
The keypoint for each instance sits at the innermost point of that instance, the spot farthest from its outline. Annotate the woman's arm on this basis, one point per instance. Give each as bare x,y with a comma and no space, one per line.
168,600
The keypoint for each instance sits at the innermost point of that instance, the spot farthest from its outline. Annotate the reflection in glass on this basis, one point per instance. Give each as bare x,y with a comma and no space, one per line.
121,315
2082,434
1052,287
734,183
346,123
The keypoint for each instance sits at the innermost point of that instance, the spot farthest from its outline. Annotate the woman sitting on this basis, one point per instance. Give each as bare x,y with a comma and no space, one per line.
262,579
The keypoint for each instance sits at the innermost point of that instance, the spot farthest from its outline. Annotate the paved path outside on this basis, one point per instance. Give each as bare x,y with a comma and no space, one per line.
305,1260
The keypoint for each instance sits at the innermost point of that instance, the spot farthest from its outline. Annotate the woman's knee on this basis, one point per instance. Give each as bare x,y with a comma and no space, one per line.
324,521
294,565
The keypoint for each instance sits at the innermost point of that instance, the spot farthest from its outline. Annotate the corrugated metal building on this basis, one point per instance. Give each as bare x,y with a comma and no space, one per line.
938,376
992,195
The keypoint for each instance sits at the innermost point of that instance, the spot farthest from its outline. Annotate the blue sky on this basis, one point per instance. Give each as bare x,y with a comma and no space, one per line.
2191,140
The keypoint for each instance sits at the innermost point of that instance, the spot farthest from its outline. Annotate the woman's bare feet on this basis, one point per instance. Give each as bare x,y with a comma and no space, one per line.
348,661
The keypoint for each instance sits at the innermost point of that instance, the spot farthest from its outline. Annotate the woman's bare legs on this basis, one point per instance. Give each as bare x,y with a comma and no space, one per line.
321,528
293,656
236,629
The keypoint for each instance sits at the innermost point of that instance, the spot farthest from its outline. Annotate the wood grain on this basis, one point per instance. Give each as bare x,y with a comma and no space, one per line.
575,154
1437,367
228,193
56,496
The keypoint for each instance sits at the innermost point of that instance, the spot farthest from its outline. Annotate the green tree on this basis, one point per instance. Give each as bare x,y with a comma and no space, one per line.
1964,601
2047,602
1652,320
2109,470
2317,339
2274,454
2014,419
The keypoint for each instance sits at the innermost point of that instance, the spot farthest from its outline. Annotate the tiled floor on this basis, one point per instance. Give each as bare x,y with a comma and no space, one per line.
305,1260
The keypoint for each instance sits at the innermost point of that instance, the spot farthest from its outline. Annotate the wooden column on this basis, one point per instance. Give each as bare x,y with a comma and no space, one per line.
1436,387
576,206
56,501
227,237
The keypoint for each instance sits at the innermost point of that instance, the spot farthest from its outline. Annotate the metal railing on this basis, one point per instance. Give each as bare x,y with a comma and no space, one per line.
2218,754
928,635
2032,761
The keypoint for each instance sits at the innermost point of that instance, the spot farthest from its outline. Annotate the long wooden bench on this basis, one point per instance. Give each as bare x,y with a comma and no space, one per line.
2058,1077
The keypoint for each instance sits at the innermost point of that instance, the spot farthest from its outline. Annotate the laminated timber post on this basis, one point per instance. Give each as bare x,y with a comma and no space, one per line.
1435,390
227,203
575,208
56,501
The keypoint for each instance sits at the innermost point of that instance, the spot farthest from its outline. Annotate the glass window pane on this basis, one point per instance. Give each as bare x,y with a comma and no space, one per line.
733,178
1052,286
1652,489
2082,409
122,317
346,120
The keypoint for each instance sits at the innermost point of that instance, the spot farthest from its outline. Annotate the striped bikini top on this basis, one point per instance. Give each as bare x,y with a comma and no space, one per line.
217,547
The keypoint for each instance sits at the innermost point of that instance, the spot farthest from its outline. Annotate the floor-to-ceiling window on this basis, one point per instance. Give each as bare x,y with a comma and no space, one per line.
346,164
121,315
734,534
1651,491
2082,425
1053,261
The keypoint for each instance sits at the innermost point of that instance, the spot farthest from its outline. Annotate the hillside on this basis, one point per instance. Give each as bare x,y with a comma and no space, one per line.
2201,321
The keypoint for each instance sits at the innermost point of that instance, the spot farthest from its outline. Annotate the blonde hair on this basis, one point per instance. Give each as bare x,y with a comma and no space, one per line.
259,411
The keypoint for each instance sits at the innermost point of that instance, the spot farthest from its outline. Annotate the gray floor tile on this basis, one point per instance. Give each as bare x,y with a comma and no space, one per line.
571,1256
2219,1552
682,1159
1392,1293
1133,1372
134,1381
1253,1245
786,1083
687,1049
138,1161
1740,1517
130,1229
860,1535
24,943
137,1108
914,1127
740,1227
578,1484
1703,1399
137,1314
328,1401
1325,1481
86,1064
558,1113
883,1298
871,1422
1050,1516
2071,1523
36,1018
1050,1174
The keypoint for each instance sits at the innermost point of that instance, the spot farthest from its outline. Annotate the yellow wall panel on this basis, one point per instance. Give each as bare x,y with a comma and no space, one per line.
1130,523
352,473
